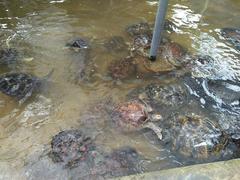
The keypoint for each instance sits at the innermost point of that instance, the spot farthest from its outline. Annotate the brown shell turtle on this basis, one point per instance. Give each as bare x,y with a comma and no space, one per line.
120,162
123,68
194,136
165,98
70,147
146,28
133,115
115,44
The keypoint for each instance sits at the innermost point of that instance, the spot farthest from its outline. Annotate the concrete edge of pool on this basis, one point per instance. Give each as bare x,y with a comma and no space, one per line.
217,170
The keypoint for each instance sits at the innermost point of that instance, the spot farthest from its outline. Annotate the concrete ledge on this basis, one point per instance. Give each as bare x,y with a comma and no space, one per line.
219,170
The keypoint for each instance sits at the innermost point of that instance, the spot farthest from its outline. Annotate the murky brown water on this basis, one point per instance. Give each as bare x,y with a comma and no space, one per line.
40,30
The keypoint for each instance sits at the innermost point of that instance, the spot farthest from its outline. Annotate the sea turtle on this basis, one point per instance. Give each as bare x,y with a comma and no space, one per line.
120,162
21,85
80,67
139,29
171,55
218,94
70,147
230,123
132,115
194,137
122,68
115,44
146,28
232,35
8,56
78,44
165,98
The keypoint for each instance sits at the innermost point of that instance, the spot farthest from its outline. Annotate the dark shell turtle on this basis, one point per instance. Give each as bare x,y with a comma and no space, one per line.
70,147
121,162
194,137
133,115
8,56
139,29
78,44
123,68
230,123
146,28
116,44
165,98
202,66
217,94
232,35
20,85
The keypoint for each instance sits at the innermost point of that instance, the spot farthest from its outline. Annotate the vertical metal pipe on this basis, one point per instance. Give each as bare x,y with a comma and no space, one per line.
158,28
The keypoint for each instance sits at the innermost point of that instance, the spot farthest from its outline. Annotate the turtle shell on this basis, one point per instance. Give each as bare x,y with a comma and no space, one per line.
70,147
129,116
122,162
218,94
164,98
196,137
232,35
122,69
115,44
18,85
78,43
139,29
146,28
8,56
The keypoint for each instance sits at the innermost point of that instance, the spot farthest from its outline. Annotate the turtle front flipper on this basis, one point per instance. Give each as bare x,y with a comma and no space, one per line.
157,130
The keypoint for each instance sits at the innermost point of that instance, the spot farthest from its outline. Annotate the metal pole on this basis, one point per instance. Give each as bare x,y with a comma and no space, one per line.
158,28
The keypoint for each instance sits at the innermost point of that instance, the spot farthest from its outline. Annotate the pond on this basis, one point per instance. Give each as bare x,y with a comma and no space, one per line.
192,89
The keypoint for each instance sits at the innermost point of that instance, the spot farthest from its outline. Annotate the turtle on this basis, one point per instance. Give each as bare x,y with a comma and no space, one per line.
171,55
21,85
215,93
70,147
115,44
194,137
133,115
122,68
141,28
165,98
232,35
78,43
120,162
8,57
230,123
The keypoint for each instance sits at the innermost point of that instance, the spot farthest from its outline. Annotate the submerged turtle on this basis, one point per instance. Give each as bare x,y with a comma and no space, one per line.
194,137
120,162
165,98
232,35
133,115
139,29
230,123
145,28
123,68
8,56
116,44
70,147
78,43
217,94
21,85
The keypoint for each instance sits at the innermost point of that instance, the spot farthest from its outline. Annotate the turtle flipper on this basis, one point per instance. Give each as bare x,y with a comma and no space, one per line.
157,130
